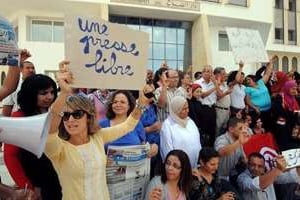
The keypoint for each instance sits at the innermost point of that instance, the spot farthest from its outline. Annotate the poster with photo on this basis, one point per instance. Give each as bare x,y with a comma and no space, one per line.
8,43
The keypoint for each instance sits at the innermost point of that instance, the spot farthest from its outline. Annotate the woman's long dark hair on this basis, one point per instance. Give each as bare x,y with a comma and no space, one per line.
185,179
27,96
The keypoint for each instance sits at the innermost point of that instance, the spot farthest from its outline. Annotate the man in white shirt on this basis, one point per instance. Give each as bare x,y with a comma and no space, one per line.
10,103
223,100
238,92
208,100
257,184
166,92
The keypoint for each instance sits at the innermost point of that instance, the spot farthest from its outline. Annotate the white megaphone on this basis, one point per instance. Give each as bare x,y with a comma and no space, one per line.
29,133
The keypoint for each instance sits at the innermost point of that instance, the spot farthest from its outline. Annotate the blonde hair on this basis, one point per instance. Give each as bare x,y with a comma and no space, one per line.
80,102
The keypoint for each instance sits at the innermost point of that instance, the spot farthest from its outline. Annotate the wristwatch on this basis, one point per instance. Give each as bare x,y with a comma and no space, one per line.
140,107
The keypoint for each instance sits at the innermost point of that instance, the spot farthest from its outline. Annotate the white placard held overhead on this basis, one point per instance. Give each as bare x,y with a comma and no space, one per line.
247,45
105,55
292,157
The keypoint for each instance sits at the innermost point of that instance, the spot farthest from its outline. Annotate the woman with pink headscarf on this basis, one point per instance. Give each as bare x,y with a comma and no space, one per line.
279,79
286,115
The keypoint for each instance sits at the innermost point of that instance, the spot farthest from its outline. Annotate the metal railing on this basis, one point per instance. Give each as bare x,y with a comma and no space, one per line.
174,4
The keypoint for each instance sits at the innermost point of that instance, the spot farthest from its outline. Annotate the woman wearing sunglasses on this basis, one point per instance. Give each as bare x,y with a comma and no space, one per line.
175,180
78,154
36,95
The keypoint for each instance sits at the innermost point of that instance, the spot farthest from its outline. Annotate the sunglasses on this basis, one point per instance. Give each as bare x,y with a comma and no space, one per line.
77,114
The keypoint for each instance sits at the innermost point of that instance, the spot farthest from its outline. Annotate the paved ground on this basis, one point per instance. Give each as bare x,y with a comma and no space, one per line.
5,177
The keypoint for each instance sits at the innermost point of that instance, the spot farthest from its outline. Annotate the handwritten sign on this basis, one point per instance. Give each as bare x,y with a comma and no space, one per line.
292,157
105,55
247,45
8,43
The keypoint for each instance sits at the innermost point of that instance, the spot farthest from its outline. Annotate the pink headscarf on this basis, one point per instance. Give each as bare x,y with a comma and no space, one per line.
281,79
289,101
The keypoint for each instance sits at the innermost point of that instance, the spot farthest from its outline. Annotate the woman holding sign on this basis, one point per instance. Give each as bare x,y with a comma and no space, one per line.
78,154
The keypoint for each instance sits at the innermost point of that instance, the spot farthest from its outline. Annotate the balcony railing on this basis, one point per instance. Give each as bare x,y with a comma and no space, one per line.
174,4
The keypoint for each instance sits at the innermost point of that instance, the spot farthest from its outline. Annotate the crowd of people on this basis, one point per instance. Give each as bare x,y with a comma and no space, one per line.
196,130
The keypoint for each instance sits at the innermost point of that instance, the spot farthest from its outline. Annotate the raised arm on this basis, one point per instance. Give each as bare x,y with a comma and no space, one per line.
11,82
161,92
64,77
112,133
268,72
239,73
269,178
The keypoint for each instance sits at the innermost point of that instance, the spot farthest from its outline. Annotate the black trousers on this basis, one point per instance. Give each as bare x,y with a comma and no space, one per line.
208,125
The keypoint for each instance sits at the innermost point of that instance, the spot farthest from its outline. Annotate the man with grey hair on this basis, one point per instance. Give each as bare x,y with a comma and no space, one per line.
166,92
223,100
208,99
10,103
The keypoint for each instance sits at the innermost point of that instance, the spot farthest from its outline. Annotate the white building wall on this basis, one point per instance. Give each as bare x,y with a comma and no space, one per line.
259,14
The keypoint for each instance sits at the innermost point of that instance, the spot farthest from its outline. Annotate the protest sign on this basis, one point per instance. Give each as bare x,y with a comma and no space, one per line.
128,171
292,157
8,43
105,55
247,45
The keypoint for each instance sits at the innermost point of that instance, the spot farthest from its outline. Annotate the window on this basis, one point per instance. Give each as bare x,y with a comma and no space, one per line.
292,5
169,41
223,42
279,4
292,36
279,34
295,63
217,1
51,73
276,63
3,76
238,2
285,64
47,31
16,33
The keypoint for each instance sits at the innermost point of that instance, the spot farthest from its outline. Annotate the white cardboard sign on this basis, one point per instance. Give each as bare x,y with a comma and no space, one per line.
292,157
105,55
247,45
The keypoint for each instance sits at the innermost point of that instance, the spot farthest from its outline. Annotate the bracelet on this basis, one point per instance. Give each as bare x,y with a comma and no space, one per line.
59,114
140,107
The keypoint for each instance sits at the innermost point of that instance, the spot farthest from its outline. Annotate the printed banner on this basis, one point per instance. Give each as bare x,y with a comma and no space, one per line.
8,43
128,171
105,55
247,45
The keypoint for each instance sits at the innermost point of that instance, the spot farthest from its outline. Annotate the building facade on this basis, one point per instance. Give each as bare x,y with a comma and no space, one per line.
182,33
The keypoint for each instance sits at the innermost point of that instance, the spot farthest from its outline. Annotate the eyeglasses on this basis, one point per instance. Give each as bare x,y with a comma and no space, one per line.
174,165
77,114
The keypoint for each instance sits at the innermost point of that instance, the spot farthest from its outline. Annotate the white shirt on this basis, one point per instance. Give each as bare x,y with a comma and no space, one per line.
238,96
11,100
251,190
224,102
210,99
173,136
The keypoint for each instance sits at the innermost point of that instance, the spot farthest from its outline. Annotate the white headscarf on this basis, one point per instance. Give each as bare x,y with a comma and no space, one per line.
176,106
